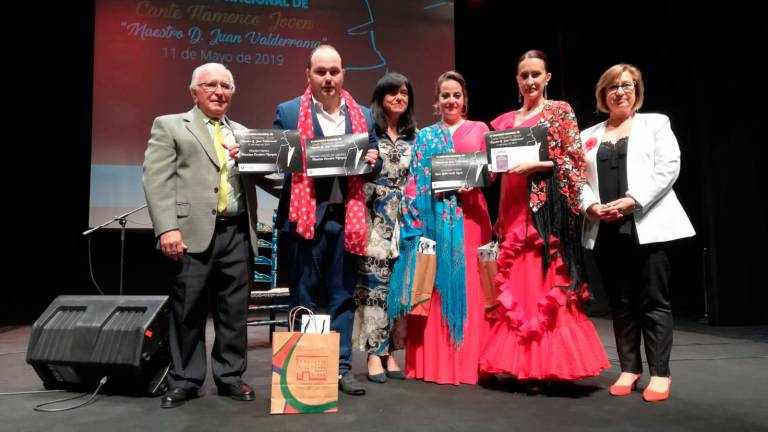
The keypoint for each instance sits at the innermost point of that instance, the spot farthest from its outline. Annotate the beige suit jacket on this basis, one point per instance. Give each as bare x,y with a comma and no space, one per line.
181,176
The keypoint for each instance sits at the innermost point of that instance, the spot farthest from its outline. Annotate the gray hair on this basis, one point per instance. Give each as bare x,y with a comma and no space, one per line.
193,83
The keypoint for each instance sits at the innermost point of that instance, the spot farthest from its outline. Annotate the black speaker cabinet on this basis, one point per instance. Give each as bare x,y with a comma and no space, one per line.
80,339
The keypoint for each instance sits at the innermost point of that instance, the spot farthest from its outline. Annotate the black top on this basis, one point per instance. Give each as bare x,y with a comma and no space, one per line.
612,177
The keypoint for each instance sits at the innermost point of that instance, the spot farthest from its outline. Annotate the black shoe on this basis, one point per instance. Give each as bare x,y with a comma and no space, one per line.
395,374
380,378
349,385
237,391
177,396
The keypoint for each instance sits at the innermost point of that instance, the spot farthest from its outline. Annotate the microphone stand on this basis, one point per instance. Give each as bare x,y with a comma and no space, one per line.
122,220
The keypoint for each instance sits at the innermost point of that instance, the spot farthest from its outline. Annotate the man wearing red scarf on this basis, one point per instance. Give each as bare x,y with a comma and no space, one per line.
325,217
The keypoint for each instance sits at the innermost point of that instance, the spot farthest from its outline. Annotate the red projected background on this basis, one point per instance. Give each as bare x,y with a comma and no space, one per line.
145,51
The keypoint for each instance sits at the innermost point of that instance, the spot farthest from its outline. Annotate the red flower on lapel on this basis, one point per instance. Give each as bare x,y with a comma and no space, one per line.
590,144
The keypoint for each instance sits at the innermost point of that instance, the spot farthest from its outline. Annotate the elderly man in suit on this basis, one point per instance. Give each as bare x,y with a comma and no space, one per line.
324,217
204,216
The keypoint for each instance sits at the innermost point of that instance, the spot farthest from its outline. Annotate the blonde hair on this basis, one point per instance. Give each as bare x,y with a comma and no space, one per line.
610,75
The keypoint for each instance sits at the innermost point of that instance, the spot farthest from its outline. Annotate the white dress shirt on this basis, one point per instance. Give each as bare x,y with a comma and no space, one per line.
332,125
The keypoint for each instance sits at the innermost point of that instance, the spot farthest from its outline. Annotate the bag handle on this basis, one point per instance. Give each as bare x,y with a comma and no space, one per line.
293,312
312,320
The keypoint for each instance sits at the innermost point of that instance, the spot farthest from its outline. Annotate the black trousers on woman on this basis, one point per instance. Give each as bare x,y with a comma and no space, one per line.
636,279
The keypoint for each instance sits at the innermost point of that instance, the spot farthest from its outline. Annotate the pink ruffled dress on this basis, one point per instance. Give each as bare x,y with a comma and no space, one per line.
541,331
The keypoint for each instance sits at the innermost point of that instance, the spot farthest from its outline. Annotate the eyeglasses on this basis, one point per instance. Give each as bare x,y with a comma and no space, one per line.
627,87
211,86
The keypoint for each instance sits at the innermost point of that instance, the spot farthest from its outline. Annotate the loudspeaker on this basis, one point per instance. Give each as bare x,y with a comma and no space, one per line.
80,339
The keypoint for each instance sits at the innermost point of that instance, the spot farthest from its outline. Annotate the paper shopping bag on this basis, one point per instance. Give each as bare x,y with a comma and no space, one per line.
305,372
486,260
423,276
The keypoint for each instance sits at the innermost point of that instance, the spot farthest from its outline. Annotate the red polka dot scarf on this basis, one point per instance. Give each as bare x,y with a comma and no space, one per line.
303,204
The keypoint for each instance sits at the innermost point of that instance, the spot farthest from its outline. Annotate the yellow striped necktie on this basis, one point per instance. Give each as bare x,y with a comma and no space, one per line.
218,142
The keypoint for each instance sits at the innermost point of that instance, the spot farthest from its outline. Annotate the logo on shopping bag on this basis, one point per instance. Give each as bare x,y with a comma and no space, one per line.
311,368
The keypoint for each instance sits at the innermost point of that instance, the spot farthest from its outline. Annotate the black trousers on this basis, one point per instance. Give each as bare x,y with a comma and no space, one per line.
218,276
636,279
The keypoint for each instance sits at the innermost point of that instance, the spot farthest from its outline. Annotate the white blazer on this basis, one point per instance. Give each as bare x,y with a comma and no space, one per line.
653,164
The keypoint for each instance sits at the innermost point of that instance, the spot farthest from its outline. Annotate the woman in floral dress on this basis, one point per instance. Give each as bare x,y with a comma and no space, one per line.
374,332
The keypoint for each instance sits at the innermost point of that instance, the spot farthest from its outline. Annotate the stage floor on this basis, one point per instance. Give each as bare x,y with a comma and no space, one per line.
720,383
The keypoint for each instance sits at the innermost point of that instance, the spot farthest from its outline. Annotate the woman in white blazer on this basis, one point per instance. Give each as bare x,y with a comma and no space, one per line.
631,210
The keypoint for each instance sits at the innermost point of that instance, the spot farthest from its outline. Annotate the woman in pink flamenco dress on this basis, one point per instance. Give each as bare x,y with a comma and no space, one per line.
542,332
445,346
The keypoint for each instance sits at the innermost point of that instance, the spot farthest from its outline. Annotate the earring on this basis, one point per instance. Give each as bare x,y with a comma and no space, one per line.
545,91
519,96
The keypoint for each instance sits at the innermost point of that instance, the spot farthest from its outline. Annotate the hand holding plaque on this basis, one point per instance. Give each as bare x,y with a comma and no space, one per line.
340,155
452,171
269,150
506,148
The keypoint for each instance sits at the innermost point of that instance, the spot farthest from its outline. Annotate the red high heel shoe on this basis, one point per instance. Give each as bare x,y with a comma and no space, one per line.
623,390
652,396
